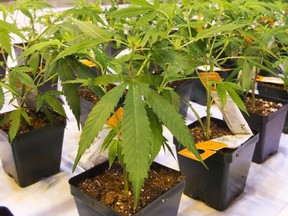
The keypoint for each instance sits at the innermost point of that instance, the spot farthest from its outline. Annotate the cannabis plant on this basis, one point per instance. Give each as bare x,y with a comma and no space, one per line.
25,79
147,32
208,30
263,43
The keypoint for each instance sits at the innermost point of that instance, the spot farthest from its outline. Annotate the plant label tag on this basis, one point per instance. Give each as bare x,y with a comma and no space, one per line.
274,80
232,116
206,149
114,120
208,77
204,155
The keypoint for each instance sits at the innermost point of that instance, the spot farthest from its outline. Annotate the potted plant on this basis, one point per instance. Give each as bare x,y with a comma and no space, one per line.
226,176
273,83
32,132
266,42
148,102
227,167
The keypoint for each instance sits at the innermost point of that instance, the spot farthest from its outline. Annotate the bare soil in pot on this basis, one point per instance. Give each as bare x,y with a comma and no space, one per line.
108,188
37,120
218,129
275,86
262,107
87,94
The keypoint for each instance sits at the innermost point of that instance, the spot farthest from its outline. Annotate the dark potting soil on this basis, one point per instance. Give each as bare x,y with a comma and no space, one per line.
175,84
88,95
218,129
275,86
37,120
108,188
262,107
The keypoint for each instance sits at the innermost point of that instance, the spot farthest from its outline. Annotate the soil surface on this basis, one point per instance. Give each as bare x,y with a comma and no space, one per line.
108,188
275,86
37,120
262,107
218,129
176,84
88,95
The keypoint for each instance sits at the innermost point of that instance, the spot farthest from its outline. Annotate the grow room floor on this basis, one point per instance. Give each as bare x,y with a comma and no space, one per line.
266,191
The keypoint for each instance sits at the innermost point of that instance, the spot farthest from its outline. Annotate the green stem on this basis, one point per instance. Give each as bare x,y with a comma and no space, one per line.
223,48
253,88
187,18
208,113
143,65
211,63
126,182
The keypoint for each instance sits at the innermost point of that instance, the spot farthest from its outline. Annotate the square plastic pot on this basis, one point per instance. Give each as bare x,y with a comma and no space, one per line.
270,129
34,155
224,180
184,90
2,68
167,204
277,93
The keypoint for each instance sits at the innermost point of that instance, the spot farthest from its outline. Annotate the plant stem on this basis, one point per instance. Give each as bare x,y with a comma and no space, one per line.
143,65
253,88
211,63
126,182
208,113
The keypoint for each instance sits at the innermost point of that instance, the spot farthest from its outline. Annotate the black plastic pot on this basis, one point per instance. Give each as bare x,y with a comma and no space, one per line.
198,93
86,107
270,128
278,93
34,155
4,211
225,178
184,91
167,204
2,68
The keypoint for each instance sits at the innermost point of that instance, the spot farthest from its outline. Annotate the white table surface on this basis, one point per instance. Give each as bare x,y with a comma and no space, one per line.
266,191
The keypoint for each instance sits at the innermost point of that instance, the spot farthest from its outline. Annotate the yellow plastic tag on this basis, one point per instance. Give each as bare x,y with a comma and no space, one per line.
207,153
209,147
88,63
117,117
210,76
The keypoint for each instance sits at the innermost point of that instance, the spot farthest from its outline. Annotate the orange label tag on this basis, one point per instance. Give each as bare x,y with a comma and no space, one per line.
206,149
210,76
114,120
88,63
259,78
207,153
211,145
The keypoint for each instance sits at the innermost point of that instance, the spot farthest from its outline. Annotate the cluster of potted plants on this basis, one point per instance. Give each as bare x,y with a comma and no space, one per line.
156,46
